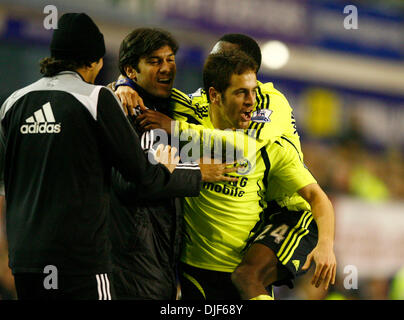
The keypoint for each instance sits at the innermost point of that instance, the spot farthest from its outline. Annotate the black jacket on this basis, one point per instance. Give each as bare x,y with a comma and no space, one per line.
146,228
60,137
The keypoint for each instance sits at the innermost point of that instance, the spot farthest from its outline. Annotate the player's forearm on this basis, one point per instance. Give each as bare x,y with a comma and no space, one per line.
232,142
323,214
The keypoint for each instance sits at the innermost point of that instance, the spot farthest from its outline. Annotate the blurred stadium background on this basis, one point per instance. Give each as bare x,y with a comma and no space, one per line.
346,87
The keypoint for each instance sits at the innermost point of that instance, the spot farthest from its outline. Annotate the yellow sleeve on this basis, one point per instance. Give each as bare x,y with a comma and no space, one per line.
226,145
180,103
281,121
184,106
288,174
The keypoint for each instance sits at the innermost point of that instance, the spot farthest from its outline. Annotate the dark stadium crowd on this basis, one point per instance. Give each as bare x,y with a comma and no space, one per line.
351,169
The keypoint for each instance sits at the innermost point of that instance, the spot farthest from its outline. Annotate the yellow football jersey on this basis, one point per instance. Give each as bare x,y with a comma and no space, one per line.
219,221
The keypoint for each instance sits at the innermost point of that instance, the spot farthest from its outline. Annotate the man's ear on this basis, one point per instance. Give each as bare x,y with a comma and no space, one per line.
131,72
214,95
95,64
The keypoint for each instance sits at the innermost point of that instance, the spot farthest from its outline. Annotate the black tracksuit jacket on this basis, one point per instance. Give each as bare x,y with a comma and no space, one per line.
146,228
59,139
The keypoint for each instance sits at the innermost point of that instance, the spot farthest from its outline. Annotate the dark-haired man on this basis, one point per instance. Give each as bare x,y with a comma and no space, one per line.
146,227
60,137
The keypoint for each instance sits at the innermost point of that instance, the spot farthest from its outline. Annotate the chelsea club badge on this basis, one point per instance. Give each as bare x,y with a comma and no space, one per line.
244,166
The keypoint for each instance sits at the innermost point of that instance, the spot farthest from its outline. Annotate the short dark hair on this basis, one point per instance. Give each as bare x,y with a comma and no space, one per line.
140,43
246,44
51,66
219,67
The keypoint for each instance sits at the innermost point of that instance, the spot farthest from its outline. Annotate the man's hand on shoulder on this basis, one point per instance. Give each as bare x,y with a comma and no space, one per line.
150,119
217,172
130,99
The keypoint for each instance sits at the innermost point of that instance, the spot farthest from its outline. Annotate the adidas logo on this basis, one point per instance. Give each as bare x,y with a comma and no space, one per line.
42,121
296,263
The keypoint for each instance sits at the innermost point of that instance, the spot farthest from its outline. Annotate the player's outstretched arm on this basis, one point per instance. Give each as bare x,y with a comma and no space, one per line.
217,172
165,154
323,254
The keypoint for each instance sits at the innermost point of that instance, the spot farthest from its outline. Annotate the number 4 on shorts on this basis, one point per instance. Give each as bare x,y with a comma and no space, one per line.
278,233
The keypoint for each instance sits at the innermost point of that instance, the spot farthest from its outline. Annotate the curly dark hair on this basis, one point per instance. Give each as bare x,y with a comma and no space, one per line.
51,66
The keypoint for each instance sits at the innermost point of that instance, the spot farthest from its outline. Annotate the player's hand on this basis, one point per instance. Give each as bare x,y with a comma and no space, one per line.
212,172
165,155
151,119
130,99
326,265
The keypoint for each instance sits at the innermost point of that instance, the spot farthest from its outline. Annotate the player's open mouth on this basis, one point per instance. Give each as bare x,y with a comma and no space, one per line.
246,116
164,81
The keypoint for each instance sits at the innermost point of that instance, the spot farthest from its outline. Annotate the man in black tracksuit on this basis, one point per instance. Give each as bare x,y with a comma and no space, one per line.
146,228
60,137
